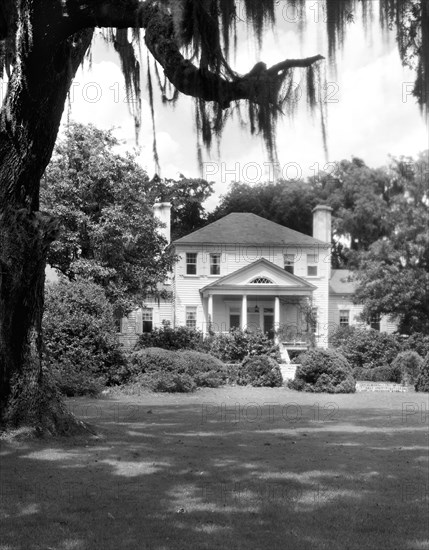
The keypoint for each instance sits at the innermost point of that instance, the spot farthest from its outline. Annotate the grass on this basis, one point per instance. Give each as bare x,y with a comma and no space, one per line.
237,468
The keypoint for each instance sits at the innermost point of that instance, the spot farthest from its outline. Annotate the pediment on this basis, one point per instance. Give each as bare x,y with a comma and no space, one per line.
261,274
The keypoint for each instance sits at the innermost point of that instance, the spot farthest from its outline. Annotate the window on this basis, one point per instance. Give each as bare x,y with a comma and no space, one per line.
344,317
311,265
191,317
261,281
147,320
375,321
289,260
191,263
214,264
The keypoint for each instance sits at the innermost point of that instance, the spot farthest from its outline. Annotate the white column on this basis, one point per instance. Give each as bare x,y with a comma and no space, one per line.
244,311
276,316
210,312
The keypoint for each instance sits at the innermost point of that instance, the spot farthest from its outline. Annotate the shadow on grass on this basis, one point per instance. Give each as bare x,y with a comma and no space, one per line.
241,468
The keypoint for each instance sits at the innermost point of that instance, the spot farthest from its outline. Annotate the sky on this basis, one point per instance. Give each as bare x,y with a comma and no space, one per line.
371,113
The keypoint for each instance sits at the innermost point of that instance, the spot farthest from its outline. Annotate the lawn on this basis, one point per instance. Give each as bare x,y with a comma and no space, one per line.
233,468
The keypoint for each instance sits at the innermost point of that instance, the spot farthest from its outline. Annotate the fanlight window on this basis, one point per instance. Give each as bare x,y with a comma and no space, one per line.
261,281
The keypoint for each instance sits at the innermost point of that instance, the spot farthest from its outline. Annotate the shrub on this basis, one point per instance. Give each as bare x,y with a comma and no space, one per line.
166,382
154,360
323,370
378,374
259,371
365,348
408,363
238,344
171,339
81,349
422,383
417,342
165,370
232,372
160,370
206,371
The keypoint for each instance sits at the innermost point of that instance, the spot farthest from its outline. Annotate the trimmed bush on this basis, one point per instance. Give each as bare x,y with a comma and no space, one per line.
206,371
154,360
159,370
259,371
171,339
323,370
408,363
181,371
166,382
238,344
378,374
81,349
365,348
422,383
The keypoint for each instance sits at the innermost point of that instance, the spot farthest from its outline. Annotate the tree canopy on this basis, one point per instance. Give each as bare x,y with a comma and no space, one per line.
103,203
393,273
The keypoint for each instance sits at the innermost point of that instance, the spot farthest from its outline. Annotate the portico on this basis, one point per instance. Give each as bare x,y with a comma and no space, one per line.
259,296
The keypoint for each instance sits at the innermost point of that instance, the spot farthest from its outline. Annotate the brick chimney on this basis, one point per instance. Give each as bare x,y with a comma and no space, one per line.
161,211
322,223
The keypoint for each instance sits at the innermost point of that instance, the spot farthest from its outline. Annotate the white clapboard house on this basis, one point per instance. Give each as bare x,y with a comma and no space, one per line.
246,271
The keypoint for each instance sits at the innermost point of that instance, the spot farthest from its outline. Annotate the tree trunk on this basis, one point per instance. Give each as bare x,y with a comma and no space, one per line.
29,124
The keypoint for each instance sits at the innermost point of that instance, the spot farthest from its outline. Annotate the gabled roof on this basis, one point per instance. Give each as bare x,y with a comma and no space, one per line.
342,282
283,281
244,228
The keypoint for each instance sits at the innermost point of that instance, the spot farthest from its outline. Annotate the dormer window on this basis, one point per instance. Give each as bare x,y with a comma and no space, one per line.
261,281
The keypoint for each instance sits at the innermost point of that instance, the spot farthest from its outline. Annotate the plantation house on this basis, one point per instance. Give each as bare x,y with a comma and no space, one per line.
248,272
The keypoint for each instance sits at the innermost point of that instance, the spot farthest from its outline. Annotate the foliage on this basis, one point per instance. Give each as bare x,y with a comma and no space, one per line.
418,342
287,203
167,370
357,196
81,349
238,344
186,196
206,371
408,363
171,382
323,370
365,348
259,371
379,374
394,272
167,337
153,360
108,232
422,383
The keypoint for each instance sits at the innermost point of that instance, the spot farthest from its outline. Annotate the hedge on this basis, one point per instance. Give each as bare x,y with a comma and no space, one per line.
323,370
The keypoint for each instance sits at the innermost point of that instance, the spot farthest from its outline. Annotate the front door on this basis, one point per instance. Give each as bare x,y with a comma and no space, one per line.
269,325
